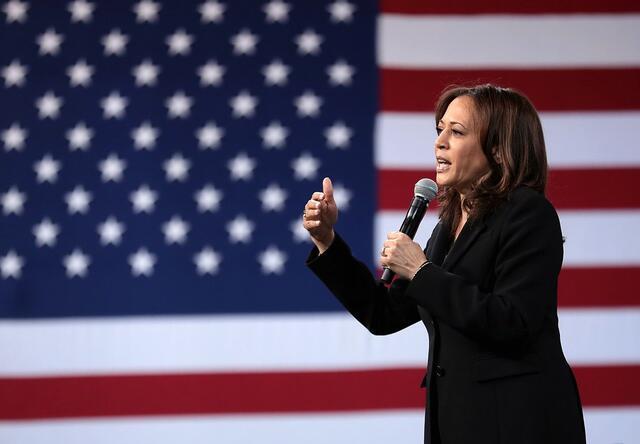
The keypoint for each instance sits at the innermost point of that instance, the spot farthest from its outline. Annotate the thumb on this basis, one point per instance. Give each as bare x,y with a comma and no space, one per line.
327,189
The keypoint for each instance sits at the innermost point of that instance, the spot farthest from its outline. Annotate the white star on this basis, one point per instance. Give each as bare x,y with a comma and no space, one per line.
79,137
78,200
208,198
308,104
146,73
305,167
115,43
146,11
11,265
272,260
144,136
49,106
16,11
14,137
274,135
13,201
77,263
179,105
14,74
277,11
143,199
175,231
80,74
309,42
49,42
276,73
179,43
177,168
114,105
338,135
47,169
209,136
81,11
273,198
340,73
142,262
211,11
244,105
300,234
240,230
241,167
111,231
112,168
207,261
244,42
342,196
46,233
341,11
211,73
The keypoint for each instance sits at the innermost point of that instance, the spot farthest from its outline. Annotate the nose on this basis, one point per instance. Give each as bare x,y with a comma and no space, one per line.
441,141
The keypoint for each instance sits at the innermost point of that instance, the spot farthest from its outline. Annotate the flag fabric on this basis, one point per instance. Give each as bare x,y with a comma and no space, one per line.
156,157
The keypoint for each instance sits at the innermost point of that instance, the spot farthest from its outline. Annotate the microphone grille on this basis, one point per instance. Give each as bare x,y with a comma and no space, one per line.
426,188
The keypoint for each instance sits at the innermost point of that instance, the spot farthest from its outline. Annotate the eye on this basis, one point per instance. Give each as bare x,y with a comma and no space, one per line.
438,130
456,132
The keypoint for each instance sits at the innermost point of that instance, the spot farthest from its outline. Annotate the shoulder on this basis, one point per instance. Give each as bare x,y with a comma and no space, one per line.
528,200
530,211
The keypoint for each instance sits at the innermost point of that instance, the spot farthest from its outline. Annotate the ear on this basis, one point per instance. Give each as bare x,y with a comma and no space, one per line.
495,153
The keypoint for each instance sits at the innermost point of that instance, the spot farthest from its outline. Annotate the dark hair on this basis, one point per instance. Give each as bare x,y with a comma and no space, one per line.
512,141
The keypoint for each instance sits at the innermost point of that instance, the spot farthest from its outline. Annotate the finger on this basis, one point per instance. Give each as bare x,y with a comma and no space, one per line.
311,224
389,243
317,196
312,205
312,214
392,235
327,188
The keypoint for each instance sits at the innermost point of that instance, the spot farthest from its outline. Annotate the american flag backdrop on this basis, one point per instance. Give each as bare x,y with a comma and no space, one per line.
154,161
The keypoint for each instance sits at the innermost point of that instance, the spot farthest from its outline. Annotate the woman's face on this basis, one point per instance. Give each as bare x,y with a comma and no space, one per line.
460,161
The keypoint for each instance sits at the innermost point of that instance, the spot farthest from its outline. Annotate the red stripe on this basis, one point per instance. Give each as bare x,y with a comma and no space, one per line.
609,386
405,90
68,397
599,287
589,287
109,396
566,188
507,7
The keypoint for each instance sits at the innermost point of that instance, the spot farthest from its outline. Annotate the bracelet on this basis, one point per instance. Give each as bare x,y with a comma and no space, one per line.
424,264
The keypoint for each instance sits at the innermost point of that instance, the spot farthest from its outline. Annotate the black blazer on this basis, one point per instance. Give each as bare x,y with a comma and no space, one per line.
496,371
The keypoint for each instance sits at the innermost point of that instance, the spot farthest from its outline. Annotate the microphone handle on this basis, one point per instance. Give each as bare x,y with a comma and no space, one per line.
409,226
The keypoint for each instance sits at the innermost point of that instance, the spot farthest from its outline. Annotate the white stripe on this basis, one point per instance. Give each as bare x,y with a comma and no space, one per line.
485,41
201,344
600,336
378,428
593,238
597,140
264,343
612,425
603,426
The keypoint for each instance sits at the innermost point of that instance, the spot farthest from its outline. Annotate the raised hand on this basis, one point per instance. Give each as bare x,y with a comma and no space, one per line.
320,215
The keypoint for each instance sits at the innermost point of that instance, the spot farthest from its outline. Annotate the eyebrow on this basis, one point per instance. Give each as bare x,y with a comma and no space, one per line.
453,122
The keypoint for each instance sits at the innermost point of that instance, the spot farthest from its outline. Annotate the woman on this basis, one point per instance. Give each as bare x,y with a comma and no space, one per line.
485,287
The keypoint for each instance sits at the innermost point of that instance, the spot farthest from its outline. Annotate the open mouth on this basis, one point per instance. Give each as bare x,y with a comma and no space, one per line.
442,164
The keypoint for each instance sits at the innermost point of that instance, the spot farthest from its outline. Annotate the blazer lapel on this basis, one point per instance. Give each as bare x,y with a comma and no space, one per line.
467,236
440,245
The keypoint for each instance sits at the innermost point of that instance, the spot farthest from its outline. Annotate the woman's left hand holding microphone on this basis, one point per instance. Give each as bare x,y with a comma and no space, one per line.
402,255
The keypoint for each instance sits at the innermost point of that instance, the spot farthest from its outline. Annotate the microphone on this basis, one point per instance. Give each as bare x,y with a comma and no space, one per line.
423,192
